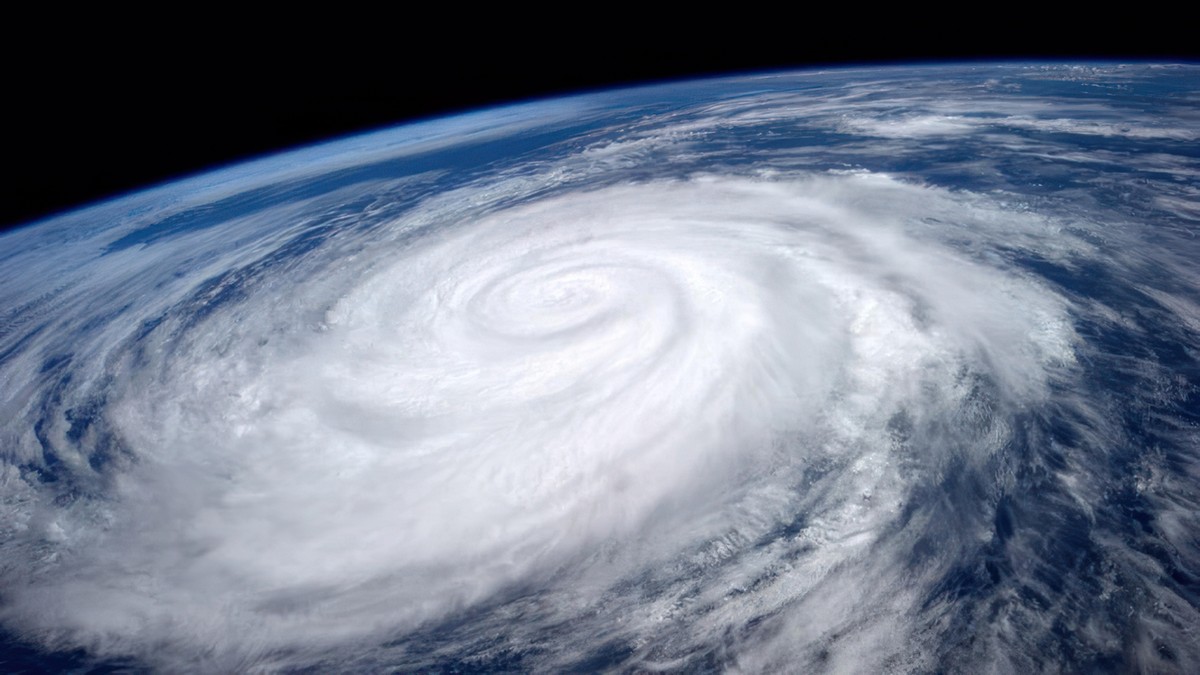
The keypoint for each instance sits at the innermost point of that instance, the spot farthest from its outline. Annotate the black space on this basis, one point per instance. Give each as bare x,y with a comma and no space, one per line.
94,114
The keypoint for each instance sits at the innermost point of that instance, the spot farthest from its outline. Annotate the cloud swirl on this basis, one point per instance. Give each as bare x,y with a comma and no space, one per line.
579,418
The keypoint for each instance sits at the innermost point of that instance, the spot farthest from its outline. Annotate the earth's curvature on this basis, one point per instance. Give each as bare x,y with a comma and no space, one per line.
880,370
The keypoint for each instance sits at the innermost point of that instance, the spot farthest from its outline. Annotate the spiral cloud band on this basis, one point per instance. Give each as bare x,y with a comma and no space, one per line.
763,419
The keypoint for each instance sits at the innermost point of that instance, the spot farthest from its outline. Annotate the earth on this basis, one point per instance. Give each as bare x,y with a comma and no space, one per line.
861,370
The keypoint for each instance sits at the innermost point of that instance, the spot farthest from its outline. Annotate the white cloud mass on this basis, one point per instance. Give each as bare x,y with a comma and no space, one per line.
760,411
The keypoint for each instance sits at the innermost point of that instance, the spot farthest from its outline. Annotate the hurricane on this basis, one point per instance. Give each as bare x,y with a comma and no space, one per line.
855,371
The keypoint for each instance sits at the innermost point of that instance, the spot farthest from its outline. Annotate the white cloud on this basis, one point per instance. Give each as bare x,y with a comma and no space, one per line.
492,405
909,126
571,405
